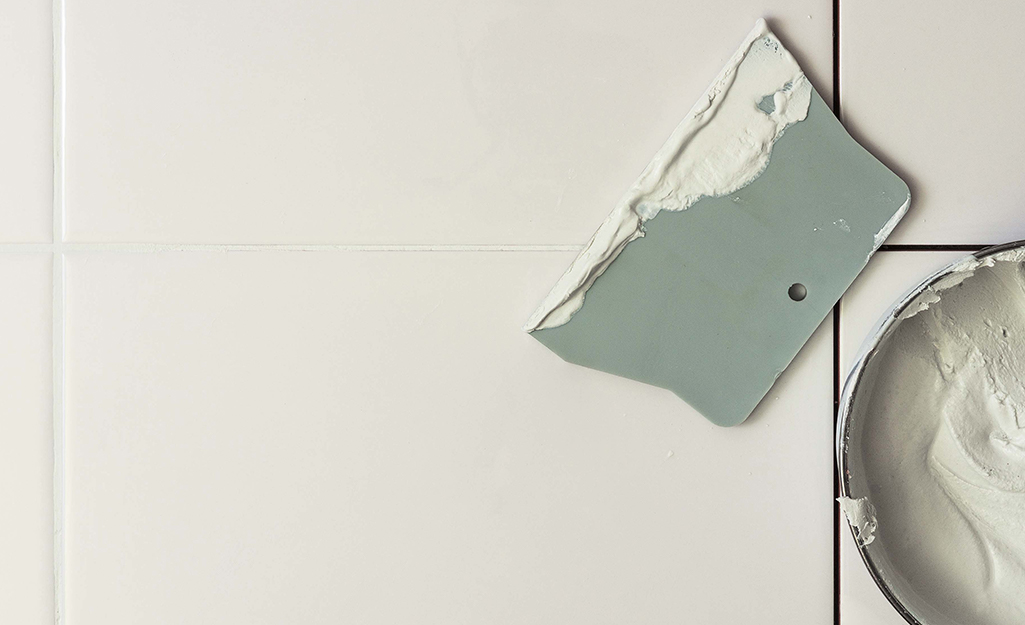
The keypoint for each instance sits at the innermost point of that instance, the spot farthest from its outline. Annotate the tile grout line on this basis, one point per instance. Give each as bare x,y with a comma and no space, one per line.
132,248
934,247
58,319
65,247
837,385
300,247
836,344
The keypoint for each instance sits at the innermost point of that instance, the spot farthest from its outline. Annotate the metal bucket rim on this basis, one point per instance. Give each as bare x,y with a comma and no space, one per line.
881,329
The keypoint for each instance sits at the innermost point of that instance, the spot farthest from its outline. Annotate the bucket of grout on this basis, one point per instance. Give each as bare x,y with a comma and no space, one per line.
931,445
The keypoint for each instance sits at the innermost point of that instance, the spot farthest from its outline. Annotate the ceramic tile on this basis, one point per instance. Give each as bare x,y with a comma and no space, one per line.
888,276
26,121
369,437
394,122
930,90
26,446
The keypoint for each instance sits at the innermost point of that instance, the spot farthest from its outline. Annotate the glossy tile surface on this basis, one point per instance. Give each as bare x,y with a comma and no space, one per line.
26,445
932,90
269,437
26,121
392,122
888,277
325,437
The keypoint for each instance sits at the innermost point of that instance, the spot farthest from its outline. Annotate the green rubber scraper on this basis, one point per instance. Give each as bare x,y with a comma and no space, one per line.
733,245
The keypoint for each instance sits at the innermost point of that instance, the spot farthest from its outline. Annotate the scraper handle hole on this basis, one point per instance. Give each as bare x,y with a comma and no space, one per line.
797,291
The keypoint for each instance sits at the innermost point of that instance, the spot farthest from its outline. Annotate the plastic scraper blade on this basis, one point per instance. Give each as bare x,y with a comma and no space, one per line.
733,245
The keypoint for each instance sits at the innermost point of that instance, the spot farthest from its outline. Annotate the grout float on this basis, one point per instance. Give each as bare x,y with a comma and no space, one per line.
722,145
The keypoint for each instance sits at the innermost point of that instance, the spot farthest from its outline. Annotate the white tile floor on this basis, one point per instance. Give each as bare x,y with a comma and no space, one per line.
931,88
369,437
26,445
385,122
353,428
26,121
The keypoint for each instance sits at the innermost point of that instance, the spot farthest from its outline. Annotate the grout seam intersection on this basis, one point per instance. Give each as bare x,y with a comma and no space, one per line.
135,248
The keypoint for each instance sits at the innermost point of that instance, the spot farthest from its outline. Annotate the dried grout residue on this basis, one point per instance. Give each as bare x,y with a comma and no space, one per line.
888,227
861,515
722,145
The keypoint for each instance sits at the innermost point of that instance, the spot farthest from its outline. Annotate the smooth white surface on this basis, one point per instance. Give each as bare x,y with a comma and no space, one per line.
888,276
26,442
369,437
933,91
494,122
26,121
